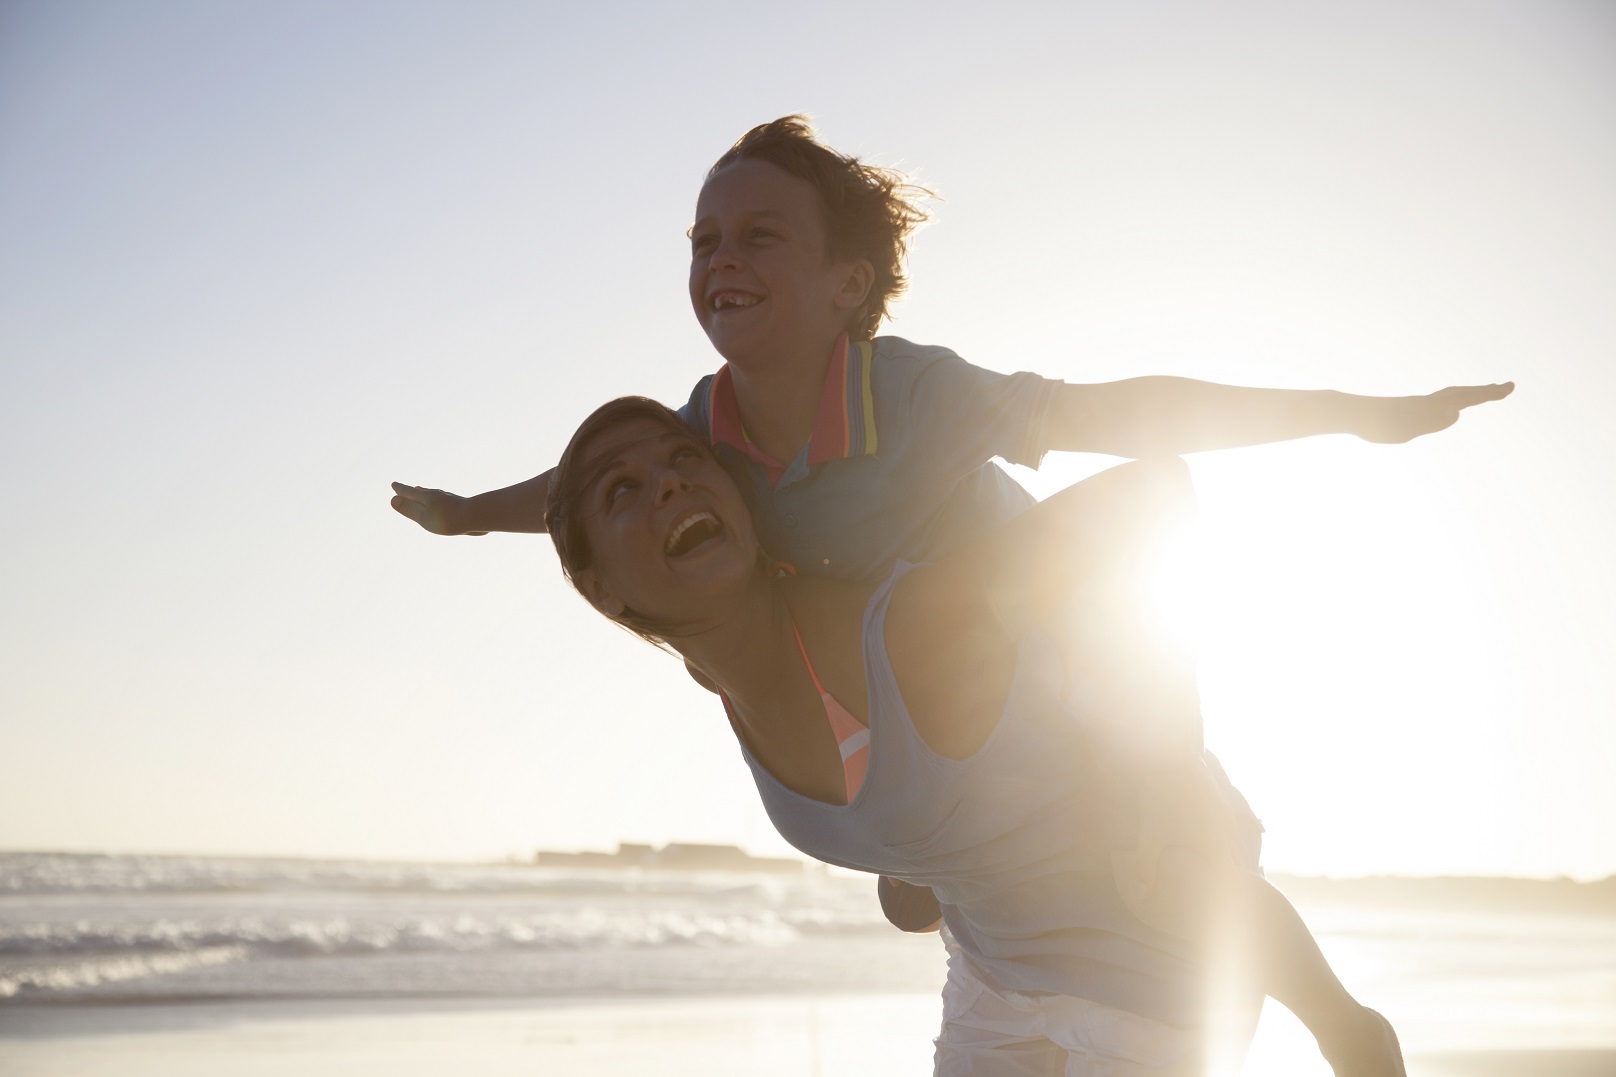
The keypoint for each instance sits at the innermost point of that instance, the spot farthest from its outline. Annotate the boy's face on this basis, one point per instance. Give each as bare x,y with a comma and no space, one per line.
761,279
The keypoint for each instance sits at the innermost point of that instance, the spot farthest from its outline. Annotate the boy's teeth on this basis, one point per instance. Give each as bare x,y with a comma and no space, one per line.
731,299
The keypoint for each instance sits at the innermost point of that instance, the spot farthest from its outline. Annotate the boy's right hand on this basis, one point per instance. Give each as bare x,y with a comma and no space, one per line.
1393,420
439,511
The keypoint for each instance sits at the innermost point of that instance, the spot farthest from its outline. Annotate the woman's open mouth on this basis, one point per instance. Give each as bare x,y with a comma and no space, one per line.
691,532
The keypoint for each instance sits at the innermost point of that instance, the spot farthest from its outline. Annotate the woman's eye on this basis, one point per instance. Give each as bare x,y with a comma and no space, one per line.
684,452
617,489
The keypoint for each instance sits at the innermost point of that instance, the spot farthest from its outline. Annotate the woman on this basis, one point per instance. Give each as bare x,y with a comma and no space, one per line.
927,728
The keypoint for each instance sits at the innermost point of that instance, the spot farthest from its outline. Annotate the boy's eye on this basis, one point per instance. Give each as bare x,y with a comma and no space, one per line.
702,243
764,234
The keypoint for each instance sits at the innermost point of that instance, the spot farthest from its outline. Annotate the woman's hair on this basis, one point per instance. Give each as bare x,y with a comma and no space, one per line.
567,507
870,212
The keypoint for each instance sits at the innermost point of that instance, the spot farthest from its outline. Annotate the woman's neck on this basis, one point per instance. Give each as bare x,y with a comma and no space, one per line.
747,644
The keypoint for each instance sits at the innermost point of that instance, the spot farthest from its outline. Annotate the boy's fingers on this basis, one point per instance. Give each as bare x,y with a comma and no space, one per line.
427,507
406,507
1480,394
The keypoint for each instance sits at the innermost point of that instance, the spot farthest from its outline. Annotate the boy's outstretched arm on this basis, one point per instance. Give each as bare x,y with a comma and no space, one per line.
515,508
1166,416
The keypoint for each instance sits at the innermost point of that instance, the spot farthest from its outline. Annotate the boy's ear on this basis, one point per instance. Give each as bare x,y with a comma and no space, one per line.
856,285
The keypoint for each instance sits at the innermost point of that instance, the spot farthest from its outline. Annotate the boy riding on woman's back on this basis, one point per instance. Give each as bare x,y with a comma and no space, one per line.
855,451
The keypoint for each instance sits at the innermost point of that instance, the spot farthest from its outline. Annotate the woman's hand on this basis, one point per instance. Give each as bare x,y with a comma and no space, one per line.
1392,420
438,511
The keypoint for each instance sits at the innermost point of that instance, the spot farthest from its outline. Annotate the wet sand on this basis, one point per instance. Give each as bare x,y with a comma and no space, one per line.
674,1037
786,1036
1549,1063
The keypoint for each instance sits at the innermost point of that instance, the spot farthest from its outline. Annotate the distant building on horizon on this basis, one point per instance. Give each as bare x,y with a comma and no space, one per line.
676,856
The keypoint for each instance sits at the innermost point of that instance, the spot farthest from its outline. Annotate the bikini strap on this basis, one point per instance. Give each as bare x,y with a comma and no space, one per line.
852,736
809,662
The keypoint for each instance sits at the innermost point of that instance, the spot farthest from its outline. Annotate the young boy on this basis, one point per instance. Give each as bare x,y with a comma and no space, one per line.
858,450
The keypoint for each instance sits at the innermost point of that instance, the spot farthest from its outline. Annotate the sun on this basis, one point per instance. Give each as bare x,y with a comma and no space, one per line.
1350,656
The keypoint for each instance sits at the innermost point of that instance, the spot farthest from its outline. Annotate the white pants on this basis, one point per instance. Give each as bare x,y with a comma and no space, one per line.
990,1031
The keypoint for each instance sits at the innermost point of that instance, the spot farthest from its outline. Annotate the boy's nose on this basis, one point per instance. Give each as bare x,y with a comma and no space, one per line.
723,256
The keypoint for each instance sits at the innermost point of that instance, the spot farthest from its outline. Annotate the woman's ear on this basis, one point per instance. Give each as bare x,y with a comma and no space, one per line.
856,285
598,594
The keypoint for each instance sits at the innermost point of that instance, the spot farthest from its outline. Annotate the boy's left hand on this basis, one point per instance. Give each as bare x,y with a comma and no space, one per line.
1396,419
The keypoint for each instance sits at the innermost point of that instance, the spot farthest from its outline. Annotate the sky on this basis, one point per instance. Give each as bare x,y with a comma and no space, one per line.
259,259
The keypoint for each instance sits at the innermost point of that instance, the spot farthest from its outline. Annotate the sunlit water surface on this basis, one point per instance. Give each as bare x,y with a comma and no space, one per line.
779,960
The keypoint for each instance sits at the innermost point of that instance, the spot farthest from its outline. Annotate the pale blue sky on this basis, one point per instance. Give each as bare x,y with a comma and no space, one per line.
257,259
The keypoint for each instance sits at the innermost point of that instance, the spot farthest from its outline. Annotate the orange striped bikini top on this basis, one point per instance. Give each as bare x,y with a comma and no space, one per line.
852,737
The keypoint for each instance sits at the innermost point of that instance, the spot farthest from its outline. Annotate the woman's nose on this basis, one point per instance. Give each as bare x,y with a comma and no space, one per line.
669,482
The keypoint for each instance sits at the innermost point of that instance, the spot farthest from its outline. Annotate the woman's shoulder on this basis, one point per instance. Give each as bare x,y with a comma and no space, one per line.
937,603
952,656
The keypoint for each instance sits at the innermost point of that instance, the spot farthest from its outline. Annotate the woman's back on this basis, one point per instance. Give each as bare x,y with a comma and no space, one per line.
1015,837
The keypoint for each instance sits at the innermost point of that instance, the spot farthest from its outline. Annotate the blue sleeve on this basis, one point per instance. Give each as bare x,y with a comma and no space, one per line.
958,416
694,411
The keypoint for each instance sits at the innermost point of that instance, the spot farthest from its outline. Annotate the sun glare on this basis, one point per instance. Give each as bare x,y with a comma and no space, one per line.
1176,586
1345,637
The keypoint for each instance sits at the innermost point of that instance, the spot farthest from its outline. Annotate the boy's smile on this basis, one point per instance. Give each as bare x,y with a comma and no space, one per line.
762,283
727,298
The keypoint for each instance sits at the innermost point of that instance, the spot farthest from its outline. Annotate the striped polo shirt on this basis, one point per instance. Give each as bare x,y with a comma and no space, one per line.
899,465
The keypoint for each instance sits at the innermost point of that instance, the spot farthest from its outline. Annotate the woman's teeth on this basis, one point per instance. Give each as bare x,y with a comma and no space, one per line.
672,546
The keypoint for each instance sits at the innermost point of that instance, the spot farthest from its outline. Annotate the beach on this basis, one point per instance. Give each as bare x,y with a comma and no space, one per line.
140,966
675,1036
817,1036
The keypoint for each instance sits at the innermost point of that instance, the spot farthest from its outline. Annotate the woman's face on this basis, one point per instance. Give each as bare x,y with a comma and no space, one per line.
667,528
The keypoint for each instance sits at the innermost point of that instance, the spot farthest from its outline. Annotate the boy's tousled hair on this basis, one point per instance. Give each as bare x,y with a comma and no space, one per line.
870,212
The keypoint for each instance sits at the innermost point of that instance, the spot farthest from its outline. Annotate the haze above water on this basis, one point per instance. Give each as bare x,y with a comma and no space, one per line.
260,259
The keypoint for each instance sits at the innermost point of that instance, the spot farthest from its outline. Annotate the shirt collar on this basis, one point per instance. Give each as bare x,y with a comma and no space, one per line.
843,427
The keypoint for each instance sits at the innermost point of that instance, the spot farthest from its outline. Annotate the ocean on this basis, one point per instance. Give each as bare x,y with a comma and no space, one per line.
124,928
1463,967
